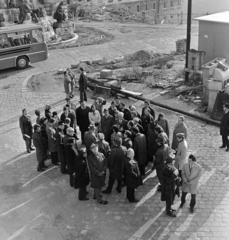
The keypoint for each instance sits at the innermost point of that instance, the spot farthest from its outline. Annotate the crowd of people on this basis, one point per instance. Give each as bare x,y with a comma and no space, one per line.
118,139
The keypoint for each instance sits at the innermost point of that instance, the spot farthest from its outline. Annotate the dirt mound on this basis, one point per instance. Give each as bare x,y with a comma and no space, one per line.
141,55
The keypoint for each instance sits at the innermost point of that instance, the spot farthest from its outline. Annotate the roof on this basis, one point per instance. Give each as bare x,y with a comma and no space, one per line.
222,17
19,27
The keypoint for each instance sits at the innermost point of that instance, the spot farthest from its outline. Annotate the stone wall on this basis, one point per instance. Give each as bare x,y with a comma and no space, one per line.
154,11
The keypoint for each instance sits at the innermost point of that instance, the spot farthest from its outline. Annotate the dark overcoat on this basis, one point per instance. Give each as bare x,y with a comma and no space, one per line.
26,125
160,157
71,154
83,82
106,125
81,171
59,135
89,138
151,141
133,175
71,115
170,185
140,149
224,124
116,162
40,146
122,124
82,118
151,111
97,164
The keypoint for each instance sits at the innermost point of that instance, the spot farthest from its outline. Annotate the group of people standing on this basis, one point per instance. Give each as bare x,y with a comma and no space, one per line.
119,139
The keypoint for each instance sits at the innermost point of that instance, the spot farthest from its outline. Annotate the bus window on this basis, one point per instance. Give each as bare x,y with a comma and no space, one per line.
4,43
19,38
37,36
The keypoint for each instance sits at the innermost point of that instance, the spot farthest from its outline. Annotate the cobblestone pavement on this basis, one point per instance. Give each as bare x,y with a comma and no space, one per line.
43,206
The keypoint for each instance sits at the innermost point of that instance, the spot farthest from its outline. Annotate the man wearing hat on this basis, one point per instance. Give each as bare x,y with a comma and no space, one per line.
151,110
181,153
170,185
40,148
159,160
112,109
82,118
224,127
106,125
115,166
133,178
89,138
97,165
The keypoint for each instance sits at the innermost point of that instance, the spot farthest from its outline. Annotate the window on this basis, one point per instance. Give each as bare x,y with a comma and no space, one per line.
146,7
15,39
164,4
154,5
37,36
138,8
171,3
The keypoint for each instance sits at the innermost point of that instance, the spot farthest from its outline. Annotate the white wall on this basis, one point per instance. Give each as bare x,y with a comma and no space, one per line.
201,7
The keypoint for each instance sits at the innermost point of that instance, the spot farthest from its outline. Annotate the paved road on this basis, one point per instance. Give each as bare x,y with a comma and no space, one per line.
37,207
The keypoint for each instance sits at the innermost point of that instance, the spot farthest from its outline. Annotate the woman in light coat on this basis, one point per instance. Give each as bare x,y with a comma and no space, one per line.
181,154
95,118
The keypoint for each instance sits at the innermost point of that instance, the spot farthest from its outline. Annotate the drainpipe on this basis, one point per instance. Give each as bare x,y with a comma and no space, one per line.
189,23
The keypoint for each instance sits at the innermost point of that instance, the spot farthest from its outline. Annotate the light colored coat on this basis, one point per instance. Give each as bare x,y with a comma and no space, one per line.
192,177
181,155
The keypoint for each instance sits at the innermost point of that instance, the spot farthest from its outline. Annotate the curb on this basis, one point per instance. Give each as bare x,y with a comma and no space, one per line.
25,81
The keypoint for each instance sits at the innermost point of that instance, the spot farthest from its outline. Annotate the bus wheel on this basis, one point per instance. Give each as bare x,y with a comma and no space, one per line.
22,62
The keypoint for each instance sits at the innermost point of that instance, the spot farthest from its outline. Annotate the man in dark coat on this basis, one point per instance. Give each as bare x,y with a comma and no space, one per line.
89,138
115,166
170,185
68,114
59,135
26,130
140,149
160,157
52,141
151,110
151,141
112,109
127,142
97,165
125,111
107,122
82,118
81,174
117,103
71,155
133,176
224,127
83,85
40,148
